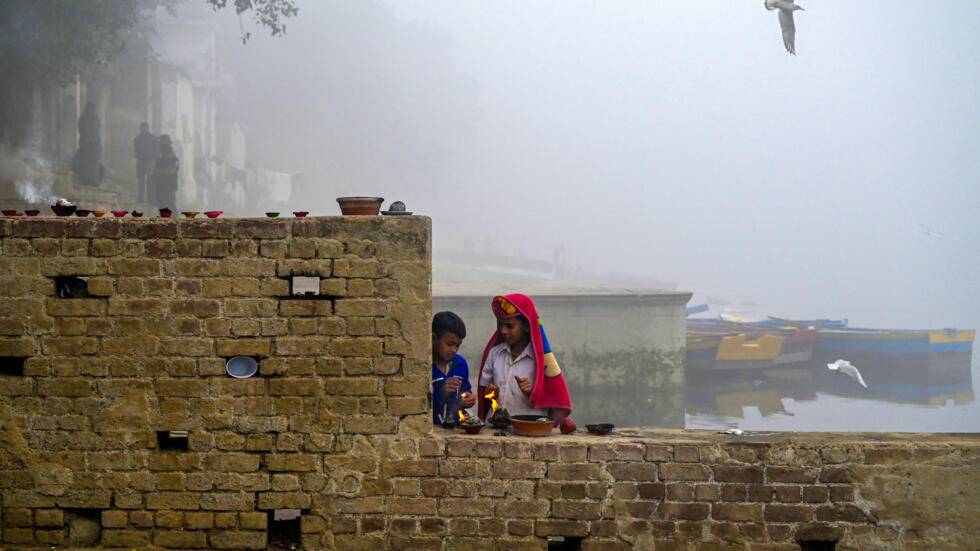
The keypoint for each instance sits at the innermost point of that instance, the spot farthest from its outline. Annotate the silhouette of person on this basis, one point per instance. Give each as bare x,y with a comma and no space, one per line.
146,148
165,174
86,163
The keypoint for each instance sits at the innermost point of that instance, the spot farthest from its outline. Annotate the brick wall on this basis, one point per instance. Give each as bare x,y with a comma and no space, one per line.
335,427
88,383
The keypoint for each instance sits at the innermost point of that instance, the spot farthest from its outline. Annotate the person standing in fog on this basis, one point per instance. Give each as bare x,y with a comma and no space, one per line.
146,147
164,178
87,161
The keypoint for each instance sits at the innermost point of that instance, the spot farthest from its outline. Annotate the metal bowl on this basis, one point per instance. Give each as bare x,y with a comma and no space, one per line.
242,367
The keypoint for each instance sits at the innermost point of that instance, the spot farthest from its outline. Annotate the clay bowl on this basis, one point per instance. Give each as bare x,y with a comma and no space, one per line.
63,211
166,213
528,425
12,213
190,213
120,213
32,212
137,214
600,428
472,429
99,213
272,214
83,212
360,205
213,213
300,214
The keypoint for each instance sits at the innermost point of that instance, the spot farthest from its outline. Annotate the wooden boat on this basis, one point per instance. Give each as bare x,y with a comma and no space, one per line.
894,341
740,345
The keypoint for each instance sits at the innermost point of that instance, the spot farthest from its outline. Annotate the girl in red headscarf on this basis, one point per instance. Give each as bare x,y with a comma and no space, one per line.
519,365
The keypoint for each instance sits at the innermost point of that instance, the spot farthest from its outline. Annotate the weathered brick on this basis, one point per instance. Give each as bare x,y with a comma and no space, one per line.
840,513
750,474
238,540
632,471
569,528
134,266
736,512
580,510
685,511
789,474
788,513
841,493
683,471
686,454
835,475
180,539
291,462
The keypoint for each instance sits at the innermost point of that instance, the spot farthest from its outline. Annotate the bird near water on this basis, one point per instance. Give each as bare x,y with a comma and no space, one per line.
786,9
845,367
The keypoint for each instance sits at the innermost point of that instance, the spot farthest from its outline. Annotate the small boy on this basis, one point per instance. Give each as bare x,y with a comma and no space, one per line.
519,366
451,389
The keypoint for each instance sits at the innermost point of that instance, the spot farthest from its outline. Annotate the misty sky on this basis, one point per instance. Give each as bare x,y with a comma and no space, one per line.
676,140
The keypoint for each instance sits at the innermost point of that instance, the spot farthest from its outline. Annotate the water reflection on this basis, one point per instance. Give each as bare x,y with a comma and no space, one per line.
910,392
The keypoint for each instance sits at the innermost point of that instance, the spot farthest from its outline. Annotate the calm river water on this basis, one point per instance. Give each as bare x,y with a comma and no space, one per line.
929,396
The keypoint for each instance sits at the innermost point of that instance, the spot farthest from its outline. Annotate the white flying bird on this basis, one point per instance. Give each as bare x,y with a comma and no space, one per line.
845,367
786,9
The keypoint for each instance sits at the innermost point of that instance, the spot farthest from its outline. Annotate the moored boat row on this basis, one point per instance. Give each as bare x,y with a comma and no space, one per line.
724,344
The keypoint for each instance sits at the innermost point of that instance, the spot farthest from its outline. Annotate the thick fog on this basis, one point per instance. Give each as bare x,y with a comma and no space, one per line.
672,140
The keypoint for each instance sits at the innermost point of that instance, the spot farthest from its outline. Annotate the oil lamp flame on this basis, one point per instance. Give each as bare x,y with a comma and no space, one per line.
493,400
462,416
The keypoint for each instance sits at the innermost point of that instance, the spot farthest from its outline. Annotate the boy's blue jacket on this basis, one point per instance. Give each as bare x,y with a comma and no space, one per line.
457,367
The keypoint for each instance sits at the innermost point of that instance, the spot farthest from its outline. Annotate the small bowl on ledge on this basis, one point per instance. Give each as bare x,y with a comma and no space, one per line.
369,206
137,214
120,213
190,213
83,212
272,214
166,213
300,214
32,212
99,213
12,212
214,213
600,428
472,429
63,210
532,425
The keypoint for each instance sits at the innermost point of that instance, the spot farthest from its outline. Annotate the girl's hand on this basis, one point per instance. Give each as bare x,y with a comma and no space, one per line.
467,400
524,384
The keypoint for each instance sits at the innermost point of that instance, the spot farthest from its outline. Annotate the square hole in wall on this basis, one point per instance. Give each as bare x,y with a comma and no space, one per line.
284,530
172,440
564,543
71,287
814,545
304,286
84,526
12,366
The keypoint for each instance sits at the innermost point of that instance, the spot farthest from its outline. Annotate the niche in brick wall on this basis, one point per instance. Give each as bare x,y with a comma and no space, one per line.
564,543
285,528
172,440
306,287
815,545
84,526
71,287
12,366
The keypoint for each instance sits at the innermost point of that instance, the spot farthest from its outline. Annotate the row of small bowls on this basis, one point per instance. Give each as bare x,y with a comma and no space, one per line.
164,213
297,214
